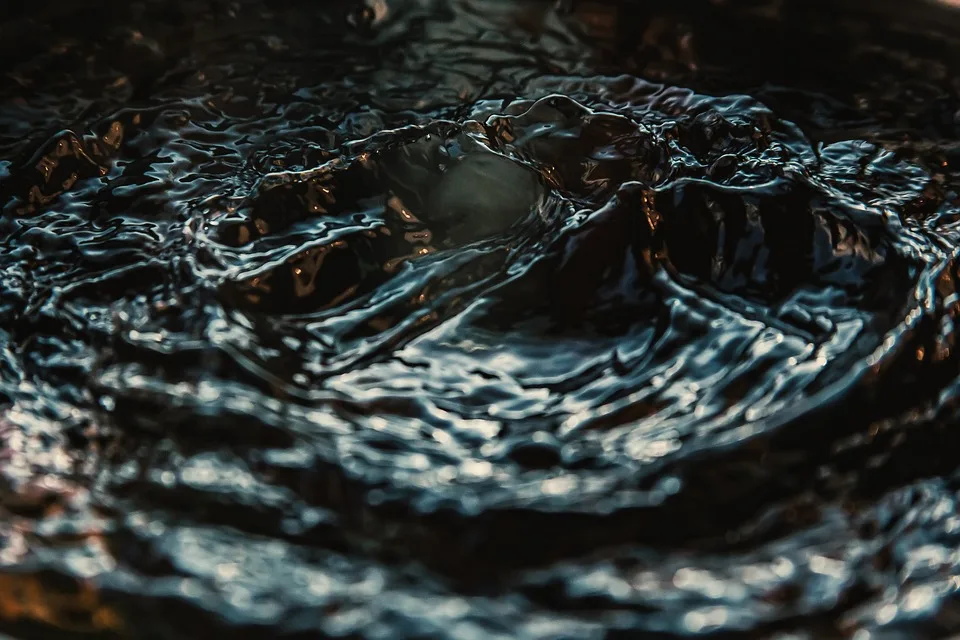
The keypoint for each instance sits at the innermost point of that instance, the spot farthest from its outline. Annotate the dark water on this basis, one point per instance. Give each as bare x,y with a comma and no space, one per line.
479,319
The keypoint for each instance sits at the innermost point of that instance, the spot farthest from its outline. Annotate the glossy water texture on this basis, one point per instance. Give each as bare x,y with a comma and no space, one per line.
479,319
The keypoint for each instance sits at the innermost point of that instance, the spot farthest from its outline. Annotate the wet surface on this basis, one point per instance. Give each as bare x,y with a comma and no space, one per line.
479,319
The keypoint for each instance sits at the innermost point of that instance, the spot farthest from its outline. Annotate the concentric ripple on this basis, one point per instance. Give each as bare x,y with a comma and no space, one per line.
473,318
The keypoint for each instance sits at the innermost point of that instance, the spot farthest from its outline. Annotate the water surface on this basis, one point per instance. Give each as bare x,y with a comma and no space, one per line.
479,319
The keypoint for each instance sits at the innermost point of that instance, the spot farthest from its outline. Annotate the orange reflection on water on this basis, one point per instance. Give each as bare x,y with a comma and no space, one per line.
24,598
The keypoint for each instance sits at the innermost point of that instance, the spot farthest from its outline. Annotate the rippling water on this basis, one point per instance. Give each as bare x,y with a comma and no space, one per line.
479,319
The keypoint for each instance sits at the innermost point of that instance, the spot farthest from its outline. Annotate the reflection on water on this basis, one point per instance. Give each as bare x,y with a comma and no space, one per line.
478,319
